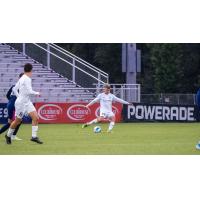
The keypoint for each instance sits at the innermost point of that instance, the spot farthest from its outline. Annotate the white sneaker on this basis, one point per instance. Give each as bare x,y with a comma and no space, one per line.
14,137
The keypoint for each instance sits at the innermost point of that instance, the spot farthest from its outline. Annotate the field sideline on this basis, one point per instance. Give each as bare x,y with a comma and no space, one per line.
127,138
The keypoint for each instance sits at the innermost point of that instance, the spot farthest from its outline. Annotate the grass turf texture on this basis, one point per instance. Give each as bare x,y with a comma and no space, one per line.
127,138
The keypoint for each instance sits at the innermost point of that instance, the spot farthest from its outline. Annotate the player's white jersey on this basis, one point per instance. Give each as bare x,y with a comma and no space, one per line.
105,101
23,89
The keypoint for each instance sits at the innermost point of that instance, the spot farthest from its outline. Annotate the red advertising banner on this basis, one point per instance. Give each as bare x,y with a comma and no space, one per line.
50,113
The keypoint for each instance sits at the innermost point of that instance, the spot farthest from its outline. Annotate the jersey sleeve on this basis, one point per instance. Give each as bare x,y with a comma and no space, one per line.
29,89
97,99
9,93
15,89
119,100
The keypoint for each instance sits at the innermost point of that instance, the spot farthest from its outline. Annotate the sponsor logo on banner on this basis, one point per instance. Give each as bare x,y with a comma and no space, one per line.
78,112
50,112
3,112
70,112
161,112
114,109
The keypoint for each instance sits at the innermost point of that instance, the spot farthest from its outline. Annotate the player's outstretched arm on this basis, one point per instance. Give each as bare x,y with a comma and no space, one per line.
121,100
94,101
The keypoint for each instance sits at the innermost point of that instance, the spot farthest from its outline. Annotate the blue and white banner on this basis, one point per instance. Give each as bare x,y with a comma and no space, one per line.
4,115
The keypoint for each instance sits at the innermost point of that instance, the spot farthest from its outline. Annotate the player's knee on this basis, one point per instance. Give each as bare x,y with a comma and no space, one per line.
35,119
113,118
15,123
99,119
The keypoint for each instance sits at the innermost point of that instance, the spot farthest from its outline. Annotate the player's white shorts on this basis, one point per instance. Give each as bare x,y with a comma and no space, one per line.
107,114
22,109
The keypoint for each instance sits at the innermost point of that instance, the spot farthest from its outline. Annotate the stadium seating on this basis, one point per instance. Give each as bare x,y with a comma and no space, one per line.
53,86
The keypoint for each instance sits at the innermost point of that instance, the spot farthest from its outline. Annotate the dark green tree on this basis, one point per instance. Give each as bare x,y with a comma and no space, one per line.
108,56
166,68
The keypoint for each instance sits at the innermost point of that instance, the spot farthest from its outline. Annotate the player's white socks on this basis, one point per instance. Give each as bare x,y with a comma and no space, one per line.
111,125
92,122
10,132
34,131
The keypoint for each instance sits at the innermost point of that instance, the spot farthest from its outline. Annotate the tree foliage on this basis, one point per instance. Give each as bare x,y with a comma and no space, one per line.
166,68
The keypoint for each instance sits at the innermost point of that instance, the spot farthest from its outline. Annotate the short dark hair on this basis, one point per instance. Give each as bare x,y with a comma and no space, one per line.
28,67
21,75
107,86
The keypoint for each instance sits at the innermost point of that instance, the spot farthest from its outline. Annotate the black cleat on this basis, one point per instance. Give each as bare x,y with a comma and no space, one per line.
84,125
8,139
37,140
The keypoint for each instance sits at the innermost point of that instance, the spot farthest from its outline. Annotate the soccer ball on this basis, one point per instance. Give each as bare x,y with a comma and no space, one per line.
97,129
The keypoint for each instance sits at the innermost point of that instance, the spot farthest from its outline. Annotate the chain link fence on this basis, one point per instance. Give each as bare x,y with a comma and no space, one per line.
177,99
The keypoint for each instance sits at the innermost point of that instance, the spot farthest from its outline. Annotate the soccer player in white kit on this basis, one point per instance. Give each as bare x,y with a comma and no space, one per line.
23,105
105,99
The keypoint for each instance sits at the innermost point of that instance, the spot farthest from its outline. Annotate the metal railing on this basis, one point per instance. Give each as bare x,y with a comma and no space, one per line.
64,63
90,66
177,99
86,94
128,92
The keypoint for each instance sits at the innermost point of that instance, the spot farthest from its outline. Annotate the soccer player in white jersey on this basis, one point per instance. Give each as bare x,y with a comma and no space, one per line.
105,99
23,105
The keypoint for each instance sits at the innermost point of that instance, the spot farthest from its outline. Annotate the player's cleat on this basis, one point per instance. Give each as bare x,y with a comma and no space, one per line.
8,139
14,137
109,131
84,125
37,140
198,146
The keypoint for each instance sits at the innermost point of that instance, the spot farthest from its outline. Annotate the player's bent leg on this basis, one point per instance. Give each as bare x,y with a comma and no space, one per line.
100,119
35,118
14,136
19,113
6,126
15,123
94,121
12,128
112,123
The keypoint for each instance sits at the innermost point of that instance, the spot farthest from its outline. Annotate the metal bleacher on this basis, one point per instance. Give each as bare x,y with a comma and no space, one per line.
53,86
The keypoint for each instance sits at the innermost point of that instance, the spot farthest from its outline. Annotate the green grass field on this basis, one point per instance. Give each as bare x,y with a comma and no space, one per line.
127,138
